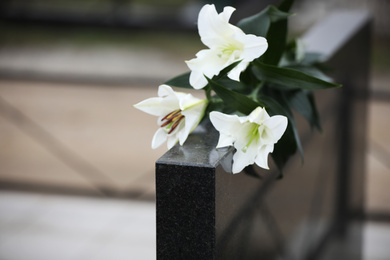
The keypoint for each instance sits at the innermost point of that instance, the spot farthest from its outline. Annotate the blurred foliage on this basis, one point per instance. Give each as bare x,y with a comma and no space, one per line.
21,34
40,35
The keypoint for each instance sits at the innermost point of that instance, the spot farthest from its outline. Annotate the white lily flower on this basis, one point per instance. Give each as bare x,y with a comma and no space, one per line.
253,136
227,44
179,114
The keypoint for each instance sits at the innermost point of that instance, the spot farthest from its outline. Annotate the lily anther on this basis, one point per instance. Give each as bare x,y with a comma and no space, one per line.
172,120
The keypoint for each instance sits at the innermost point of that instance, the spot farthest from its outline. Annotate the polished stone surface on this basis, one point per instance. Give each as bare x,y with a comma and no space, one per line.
199,149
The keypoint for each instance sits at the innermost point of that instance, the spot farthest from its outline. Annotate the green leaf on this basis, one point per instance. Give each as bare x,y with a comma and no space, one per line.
232,84
259,24
289,79
284,149
302,101
181,81
285,5
312,58
276,108
316,117
290,141
277,37
312,71
235,100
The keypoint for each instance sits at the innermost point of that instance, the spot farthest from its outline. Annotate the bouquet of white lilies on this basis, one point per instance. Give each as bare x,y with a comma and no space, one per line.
252,79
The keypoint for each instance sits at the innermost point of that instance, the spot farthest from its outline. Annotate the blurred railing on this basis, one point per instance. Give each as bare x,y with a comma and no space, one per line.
150,14
314,212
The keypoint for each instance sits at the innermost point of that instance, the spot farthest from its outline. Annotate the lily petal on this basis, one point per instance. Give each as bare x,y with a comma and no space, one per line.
262,156
192,117
213,28
159,138
254,46
225,140
257,115
242,159
277,125
207,63
172,140
226,13
152,106
227,124
235,73
169,98
188,101
165,90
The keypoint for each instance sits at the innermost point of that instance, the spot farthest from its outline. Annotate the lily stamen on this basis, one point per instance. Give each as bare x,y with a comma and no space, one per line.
172,120
254,134
173,113
173,127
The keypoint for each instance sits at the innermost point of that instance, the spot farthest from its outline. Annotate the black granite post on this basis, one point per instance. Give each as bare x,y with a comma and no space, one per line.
315,212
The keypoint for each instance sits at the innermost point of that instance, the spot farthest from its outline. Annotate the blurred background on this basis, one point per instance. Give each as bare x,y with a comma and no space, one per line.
76,166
